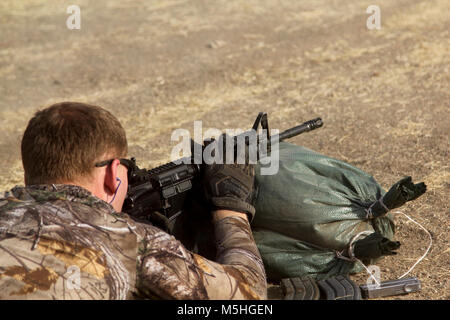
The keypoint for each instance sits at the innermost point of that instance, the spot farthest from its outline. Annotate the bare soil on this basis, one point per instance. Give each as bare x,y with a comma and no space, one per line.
384,95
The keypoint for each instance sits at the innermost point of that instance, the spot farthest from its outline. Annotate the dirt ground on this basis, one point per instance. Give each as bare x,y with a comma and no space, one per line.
384,95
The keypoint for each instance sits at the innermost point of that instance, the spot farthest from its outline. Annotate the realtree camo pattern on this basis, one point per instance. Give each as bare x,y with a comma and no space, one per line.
60,242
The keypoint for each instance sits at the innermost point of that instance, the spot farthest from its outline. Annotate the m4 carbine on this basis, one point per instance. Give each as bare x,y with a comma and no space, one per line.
159,195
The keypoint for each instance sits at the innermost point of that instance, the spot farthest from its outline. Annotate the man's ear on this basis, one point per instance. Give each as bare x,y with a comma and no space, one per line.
111,176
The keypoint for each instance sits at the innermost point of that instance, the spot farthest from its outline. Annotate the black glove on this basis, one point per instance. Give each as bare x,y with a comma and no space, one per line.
403,191
229,186
374,246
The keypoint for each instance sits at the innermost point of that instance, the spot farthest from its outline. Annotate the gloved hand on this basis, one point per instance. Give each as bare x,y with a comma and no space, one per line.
403,191
374,246
229,186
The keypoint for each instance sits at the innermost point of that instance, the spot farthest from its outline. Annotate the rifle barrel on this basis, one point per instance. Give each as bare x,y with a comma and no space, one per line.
304,127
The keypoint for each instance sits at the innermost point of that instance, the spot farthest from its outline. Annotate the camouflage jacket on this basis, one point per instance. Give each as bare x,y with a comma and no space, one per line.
61,242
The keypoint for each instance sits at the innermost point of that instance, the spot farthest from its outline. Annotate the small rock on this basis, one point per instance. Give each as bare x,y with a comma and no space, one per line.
216,44
160,80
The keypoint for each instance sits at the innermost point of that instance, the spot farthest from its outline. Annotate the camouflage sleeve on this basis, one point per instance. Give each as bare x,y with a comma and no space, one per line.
167,270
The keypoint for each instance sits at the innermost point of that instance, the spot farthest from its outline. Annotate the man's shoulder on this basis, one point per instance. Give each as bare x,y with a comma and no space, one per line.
41,194
32,198
24,207
65,206
14,208
8,200
56,233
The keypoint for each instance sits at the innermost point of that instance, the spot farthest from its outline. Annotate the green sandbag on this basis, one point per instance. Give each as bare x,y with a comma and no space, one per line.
310,209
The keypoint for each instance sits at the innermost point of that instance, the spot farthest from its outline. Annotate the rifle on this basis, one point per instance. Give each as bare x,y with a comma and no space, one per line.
159,195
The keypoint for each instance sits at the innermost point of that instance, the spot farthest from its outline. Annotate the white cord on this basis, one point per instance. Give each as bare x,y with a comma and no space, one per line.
352,256
428,249
410,269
